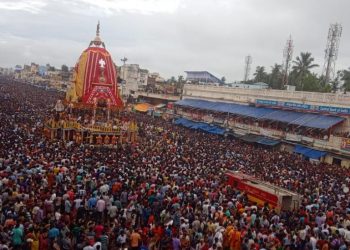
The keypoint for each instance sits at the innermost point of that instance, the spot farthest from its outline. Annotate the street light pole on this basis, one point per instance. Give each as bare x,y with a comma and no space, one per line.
124,60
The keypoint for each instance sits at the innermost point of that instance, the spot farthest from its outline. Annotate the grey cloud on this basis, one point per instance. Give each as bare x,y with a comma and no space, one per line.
197,34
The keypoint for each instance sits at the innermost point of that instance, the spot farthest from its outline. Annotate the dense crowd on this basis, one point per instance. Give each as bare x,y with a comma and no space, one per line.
167,191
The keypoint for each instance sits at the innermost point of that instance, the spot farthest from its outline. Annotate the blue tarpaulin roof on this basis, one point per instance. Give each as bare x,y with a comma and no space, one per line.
200,125
250,138
291,117
260,139
268,142
283,116
309,152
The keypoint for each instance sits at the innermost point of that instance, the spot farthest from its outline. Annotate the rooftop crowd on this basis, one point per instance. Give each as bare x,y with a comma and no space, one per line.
167,191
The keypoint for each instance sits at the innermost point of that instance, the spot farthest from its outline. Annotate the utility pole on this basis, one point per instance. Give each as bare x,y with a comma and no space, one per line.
287,58
331,52
124,60
248,63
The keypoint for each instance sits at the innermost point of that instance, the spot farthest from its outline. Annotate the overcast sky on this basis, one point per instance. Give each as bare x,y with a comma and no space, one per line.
171,36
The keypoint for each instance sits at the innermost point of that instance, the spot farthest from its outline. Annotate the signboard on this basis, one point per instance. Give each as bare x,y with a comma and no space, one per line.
303,106
266,102
334,109
297,105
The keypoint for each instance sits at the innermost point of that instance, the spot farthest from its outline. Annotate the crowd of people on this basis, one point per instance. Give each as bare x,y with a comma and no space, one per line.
167,191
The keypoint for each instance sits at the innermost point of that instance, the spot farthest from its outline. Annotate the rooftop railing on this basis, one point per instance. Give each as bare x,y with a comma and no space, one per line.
303,96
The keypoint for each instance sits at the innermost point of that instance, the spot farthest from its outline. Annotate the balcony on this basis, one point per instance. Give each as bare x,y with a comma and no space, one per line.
168,97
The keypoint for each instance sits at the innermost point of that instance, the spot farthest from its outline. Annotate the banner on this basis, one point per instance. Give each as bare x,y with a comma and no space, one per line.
296,105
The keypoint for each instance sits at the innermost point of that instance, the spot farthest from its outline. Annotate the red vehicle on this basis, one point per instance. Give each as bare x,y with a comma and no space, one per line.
262,192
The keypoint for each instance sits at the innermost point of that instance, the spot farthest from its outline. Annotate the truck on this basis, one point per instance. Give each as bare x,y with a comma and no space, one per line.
263,193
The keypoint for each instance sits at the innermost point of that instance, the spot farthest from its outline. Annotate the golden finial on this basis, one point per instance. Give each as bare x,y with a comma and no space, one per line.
98,28
97,41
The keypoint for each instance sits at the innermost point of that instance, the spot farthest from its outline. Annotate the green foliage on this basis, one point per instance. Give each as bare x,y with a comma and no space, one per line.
336,82
275,77
302,66
260,75
172,80
345,76
302,77
64,68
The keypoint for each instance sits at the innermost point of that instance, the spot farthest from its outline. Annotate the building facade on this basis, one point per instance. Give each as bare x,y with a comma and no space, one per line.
133,77
336,141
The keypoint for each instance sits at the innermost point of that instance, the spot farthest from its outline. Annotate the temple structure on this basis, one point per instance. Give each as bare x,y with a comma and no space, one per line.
92,110
95,77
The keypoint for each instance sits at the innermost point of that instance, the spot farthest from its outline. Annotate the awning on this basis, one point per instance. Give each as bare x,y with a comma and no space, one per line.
200,125
143,107
290,117
259,139
323,122
268,142
299,149
250,138
159,106
315,154
309,152
234,134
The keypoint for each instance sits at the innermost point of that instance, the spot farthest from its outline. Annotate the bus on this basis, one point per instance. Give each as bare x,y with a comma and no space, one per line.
262,193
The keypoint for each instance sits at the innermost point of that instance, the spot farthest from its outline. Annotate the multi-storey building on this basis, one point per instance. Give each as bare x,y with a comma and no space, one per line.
317,120
133,77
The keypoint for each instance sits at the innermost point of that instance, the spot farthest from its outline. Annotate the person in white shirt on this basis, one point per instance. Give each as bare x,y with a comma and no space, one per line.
88,247
347,234
121,240
77,202
313,242
112,211
100,207
219,236
104,189
97,246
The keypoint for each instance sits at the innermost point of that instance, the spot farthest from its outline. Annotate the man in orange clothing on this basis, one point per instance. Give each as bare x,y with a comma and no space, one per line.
50,179
135,240
235,239
227,236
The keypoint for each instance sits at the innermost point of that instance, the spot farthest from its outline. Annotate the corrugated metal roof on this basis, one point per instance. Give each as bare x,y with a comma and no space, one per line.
291,117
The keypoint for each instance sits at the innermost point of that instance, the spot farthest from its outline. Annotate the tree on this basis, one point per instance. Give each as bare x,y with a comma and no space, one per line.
275,78
336,82
302,66
172,79
311,83
223,79
180,84
64,68
346,78
260,74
